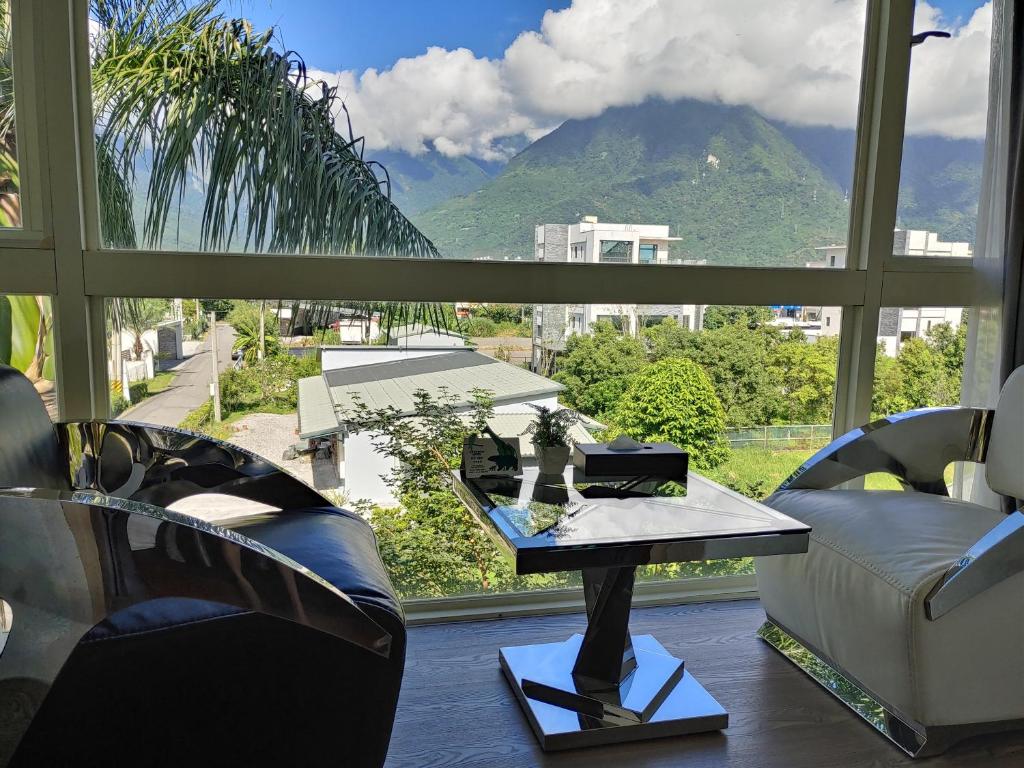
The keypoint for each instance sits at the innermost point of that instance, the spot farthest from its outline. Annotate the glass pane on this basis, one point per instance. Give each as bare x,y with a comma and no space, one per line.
26,343
317,402
696,133
920,359
947,104
10,184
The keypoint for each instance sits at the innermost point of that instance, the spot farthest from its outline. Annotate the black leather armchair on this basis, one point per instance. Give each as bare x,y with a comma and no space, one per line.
131,634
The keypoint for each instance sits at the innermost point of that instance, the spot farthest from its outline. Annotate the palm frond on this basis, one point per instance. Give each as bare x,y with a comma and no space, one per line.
207,96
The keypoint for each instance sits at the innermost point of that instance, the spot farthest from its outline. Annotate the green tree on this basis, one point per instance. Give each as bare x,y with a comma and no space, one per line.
245,319
739,361
719,315
139,316
807,374
596,369
667,339
675,401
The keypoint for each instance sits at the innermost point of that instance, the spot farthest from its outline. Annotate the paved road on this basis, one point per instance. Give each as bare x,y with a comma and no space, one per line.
191,385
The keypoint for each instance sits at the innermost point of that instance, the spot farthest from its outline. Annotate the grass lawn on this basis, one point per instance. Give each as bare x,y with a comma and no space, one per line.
756,471
160,382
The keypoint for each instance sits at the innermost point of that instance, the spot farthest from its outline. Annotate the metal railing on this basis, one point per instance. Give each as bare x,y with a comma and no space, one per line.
780,435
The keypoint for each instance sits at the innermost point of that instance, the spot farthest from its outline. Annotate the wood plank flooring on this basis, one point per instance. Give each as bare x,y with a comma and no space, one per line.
457,710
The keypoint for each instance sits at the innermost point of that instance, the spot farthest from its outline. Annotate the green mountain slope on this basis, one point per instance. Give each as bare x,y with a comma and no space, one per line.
940,178
726,181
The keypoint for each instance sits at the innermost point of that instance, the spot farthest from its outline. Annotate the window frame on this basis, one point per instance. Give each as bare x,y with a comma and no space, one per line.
62,255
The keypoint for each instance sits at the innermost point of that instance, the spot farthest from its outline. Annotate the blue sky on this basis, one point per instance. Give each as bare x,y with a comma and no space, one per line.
358,34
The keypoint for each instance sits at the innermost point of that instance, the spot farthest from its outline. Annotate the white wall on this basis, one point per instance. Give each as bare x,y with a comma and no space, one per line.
334,358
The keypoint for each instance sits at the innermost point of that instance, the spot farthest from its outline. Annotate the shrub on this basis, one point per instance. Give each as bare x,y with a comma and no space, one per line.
481,326
673,400
199,419
117,404
138,391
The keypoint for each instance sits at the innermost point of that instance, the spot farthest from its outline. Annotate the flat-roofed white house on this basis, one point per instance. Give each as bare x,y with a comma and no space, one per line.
897,324
595,242
385,376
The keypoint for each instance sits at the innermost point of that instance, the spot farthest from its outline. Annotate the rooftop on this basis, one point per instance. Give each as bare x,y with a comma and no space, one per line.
325,400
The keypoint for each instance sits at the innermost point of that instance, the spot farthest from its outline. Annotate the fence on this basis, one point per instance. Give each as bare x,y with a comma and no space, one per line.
780,436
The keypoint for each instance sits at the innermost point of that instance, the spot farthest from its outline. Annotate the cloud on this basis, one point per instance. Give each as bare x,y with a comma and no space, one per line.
796,60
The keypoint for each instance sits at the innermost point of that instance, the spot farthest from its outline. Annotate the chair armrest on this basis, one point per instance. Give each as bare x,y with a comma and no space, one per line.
160,465
915,446
998,555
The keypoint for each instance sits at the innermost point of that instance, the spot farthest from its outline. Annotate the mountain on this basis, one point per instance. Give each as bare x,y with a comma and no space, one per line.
419,182
940,178
735,187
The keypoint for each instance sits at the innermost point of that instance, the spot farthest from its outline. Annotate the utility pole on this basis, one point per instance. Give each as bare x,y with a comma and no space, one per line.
216,371
263,330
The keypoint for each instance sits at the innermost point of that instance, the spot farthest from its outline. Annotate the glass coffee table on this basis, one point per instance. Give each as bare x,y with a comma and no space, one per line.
606,686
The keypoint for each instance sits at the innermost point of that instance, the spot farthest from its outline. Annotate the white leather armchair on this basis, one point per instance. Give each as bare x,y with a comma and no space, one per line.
909,606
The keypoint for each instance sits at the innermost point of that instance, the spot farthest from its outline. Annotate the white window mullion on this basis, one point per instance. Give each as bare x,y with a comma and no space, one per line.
78,392
883,105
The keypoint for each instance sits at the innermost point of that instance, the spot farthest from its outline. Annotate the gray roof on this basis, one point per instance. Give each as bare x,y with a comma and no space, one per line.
394,384
316,411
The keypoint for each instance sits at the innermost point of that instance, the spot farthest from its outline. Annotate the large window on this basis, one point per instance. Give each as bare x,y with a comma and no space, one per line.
474,160
940,179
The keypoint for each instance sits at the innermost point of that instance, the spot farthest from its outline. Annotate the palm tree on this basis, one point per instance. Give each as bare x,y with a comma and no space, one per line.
139,316
199,94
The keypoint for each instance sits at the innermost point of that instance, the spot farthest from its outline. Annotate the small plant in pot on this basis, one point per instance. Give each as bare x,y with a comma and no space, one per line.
550,437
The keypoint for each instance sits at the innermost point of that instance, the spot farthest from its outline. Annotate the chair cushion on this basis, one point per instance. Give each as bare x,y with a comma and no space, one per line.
337,545
1006,444
857,596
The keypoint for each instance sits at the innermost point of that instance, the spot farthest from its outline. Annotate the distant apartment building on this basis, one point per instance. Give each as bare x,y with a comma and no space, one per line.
594,242
897,324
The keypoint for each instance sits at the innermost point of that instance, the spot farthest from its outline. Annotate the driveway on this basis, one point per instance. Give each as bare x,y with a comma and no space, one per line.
190,387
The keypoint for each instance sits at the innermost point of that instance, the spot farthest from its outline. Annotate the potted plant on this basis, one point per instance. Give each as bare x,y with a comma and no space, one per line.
550,437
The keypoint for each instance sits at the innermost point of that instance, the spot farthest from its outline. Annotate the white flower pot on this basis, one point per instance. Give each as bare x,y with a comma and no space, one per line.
551,459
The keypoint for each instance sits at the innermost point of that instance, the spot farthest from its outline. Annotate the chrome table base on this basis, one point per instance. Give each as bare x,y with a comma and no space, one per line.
658,698
606,686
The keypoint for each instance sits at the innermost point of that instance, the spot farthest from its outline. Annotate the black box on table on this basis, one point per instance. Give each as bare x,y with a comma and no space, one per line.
662,460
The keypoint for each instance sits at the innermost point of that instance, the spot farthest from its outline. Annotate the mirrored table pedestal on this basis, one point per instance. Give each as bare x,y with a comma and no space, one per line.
606,686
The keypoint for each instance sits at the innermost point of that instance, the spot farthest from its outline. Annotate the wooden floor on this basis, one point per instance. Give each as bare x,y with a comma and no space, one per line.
457,710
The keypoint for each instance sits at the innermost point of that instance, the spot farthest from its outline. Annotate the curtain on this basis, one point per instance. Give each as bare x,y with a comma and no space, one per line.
1013,247
995,341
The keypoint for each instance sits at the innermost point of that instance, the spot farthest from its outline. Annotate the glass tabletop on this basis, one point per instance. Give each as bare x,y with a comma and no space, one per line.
573,510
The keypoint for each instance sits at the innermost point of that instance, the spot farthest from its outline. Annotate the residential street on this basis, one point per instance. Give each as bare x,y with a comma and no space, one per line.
191,385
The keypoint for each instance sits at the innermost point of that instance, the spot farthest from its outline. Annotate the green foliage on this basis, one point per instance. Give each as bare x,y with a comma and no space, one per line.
764,203
499,313
720,315
26,336
551,427
674,400
596,369
118,404
199,419
433,544
739,361
667,339
807,373
926,372
481,327
267,386
245,319
138,391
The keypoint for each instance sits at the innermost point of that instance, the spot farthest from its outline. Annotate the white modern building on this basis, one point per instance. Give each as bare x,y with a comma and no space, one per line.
594,242
897,324
387,376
